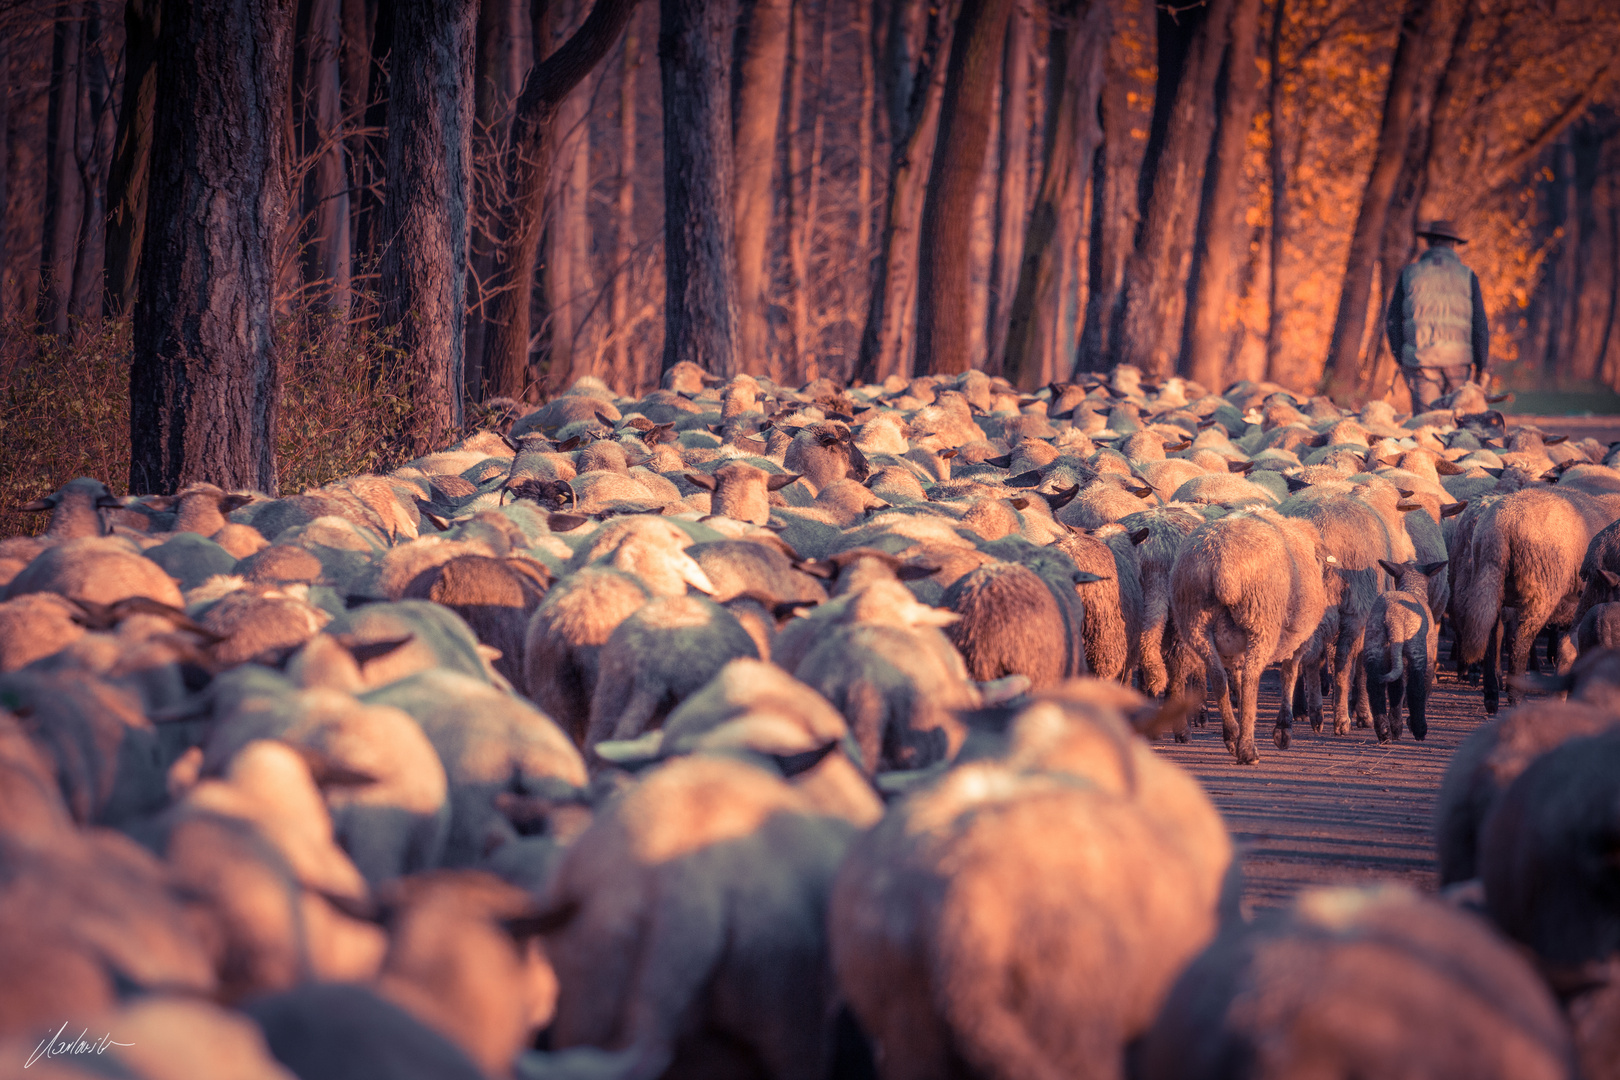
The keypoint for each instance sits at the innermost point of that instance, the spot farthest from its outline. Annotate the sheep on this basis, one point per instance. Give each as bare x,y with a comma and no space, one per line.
260,623
1526,547
1167,528
1548,865
35,625
740,490
651,548
1084,890
1249,588
692,925
495,597
758,564
431,636
76,512
1436,995
202,509
1112,602
1399,654
490,742
191,559
1498,751
661,653
563,641
1009,622
1599,628
100,569
824,453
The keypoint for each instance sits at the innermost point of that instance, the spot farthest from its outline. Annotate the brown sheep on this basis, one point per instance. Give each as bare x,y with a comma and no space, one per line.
1010,622
1247,589
495,597
1436,995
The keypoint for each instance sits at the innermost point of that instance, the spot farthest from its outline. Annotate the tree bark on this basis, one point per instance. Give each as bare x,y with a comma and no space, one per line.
762,61
1012,183
95,131
327,248
944,286
1129,92
1349,324
1156,273
1041,338
203,378
914,91
568,250
1224,244
863,132
528,169
64,197
132,154
700,302
1278,171
793,186
624,374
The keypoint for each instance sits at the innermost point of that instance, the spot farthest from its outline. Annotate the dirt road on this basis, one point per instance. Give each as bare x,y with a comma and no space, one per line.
1332,809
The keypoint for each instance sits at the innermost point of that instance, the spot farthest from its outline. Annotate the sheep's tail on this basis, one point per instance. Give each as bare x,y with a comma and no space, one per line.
1397,666
1479,606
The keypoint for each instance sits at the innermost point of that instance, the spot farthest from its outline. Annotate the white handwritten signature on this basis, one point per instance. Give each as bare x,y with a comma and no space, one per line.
56,1046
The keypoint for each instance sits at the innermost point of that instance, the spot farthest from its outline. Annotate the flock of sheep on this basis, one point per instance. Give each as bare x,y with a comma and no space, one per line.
747,732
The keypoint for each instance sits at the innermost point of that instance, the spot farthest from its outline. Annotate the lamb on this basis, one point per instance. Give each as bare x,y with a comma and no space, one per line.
1436,993
1549,868
202,509
655,658
692,926
1086,890
1402,641
1234,602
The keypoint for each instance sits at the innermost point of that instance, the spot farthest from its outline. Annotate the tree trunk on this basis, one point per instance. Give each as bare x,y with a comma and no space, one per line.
944,312
1224,244
203,379
1349,325
528,168
5,157
359,69
805,355
64,197
1012,183
1129,92
424,216
624,376
132,154
95,129
1156,273
914,94
700,301
568,251
761,61
1278,171
863,133
1041,334
327,245
793,177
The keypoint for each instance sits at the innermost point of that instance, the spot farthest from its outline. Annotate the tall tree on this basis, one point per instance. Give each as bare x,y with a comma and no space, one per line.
318,74
1224,240
1012,181
1278,173
762,55
568,234
94,133
700,302
622,375
203,378
917,43
423,276
1041,339
132,153
1349,325
1156,273
528,170
944,313
64,196
1130,90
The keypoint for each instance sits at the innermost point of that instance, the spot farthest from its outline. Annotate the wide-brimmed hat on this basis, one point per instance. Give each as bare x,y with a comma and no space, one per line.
1442,228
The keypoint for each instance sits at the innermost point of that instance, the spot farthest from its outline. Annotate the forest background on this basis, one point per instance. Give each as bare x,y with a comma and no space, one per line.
399,219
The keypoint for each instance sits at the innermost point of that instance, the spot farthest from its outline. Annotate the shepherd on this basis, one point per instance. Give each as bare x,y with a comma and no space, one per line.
1436,323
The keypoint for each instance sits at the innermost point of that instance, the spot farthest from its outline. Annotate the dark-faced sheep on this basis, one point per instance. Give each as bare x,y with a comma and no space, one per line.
1436,995
1403,638
1247,591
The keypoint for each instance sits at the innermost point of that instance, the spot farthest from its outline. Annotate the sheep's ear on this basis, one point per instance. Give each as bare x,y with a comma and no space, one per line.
565,522
1405,493
442,524
603,417
1408,507
1002,462
1025,479
234,502
1554,440
792,765
915,571
1171,448
947,454
1143,492
1239,466
109,502
1003,690
1059,499
1496,399
1019,503
1205,425
1447,467
1297,484
540,922
1542,682
1390,568
364,652
819,568
160,503
781,480
1319,440
572,443
1432,568
1141,534
1494,472
95,616
1609,576
329,773
1086,577
1453,509
789,609
703,480
38,506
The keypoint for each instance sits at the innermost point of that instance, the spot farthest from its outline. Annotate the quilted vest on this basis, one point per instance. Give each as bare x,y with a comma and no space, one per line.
1439,311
